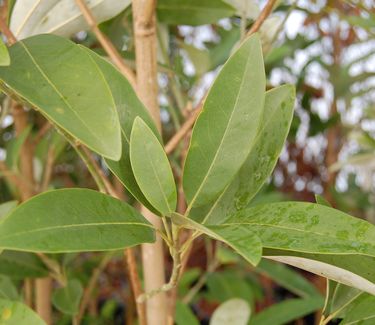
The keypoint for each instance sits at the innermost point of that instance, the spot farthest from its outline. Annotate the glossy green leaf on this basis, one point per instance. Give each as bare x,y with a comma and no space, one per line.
67,299
287,278
21,265
15,313
61,80
278,113
60,17
151,168
7,289
6,207
234,311
128,108
4,54
287,311
192,12
242,239
225,130
184,315
72,220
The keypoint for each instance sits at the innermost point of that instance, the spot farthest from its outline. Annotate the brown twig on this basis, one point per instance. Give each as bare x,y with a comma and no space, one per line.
106,43
42,132
262,17
11,39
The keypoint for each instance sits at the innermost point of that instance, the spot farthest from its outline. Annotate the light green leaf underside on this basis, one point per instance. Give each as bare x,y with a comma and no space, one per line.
192,12
277,116
60,17
234,311
225,130
6,207
151,168
4,54
7,289
128,108
242,239
67,299
73,220
287,311
61,80
361,311
15,313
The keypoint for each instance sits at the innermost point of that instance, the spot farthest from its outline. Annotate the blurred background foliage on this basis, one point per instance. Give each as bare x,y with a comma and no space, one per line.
326,49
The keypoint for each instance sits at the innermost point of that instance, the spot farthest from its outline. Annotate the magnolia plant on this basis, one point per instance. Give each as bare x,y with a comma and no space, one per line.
234,146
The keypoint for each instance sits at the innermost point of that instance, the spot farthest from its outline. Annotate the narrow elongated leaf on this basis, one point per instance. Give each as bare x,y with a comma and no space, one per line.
14,149
233,311
128,108
61,80
67,299
60,17
15,313
242,239
278,113
4,54
286,311
192,12
72,220
21,265
152,169
225,130
288,278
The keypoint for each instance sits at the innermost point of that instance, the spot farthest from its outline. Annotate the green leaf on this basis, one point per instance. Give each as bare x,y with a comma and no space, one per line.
342,296
15,313
242,239
287,278
21,265
225,130
322,201
7,289
57,77
6,207
234,311
152,169
362,311
128,108
4,54
14,149
184,315
192,12
278,113
60,17
67,299
287,311
72,220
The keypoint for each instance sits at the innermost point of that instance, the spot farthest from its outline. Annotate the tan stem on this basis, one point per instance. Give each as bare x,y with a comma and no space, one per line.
43,289
105,42
262,17
145,52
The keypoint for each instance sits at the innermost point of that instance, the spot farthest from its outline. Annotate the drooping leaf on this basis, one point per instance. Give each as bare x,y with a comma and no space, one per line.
4,54
60,17
67,299
288,278
225,130
286,311
234,311
7,289
152,169
6,207
15,313
242,239
128,108
184,315
72,220
192,12
278,113
21,265
60,79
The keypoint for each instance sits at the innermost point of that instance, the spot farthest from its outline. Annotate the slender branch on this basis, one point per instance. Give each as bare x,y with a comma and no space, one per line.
42,132
11,39
90,287
262,17
106,43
